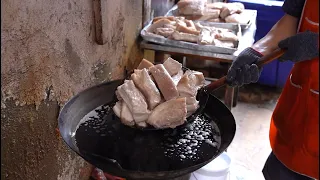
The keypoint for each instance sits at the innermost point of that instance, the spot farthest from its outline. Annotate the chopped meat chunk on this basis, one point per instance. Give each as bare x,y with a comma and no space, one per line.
164,82
237,18
172,66
180,36
166,32
134,100
158,24
185,29
190,82
147,87
205,37
170,114
144,64
126,115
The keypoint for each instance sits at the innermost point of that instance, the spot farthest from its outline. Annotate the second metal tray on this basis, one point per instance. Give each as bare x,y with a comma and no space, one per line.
193,46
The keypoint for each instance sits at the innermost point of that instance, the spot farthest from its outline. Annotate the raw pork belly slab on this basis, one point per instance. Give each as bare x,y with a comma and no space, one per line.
172,66
134,100
144,64
164,82
126,115
170,114
117,108
147,87
190,82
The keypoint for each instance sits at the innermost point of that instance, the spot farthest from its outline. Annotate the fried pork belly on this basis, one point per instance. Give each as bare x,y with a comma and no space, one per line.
172,66
231,8
228,44
160,23
237,18
169,114
205,37
126,115
134,100
147,87
170,18
164,82
185,29
180,36
190,82
166,32
144,64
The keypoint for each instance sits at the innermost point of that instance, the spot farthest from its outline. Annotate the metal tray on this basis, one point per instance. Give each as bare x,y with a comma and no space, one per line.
252,14
193,46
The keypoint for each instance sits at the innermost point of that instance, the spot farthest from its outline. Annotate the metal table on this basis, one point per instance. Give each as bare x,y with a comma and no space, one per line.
156,52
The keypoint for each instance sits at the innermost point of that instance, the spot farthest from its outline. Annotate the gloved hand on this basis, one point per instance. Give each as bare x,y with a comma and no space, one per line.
300,47
243,69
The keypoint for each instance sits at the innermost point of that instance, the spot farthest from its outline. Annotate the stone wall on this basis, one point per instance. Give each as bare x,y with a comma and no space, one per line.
48,54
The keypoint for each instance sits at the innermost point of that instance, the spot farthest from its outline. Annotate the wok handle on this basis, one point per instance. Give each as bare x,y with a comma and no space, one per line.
263,61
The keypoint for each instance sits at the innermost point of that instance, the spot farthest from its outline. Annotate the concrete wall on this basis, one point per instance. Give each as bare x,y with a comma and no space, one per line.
48,54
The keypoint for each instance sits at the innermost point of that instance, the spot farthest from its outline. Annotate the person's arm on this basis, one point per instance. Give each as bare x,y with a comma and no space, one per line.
284,28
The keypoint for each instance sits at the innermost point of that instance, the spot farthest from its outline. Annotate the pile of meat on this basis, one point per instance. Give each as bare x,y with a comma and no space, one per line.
161,95
181,29
213,12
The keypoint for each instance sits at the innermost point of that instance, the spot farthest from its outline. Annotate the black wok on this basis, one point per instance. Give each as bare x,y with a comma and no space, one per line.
132,153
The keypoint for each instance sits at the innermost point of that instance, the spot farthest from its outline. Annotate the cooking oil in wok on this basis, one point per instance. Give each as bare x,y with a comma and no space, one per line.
101,133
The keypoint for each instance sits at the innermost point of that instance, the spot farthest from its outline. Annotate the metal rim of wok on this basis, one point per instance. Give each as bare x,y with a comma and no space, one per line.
87,100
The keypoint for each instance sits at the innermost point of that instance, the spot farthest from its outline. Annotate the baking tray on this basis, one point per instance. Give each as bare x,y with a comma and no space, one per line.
193,46
252,14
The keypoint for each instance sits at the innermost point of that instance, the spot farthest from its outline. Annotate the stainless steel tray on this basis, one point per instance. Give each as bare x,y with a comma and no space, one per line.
251,14
193,46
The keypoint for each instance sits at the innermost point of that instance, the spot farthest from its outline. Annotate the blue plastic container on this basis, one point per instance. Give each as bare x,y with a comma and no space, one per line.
269,12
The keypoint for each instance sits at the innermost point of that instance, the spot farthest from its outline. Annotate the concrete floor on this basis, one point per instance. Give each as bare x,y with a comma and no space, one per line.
250,147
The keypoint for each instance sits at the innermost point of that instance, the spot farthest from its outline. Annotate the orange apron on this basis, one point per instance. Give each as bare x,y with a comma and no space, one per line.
294,129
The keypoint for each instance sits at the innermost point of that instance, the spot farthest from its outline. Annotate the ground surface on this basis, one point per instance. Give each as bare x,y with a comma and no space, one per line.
250,147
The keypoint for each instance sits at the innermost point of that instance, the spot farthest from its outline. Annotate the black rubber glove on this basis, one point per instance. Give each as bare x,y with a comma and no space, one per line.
243,69
300,47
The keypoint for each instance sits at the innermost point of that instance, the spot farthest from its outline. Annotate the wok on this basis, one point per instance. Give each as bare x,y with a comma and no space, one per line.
132,153
106,143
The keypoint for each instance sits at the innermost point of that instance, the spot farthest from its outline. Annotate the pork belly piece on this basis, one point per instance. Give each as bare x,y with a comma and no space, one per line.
176,78
190,82
231,8
205,37
147,87
144,64
225,35
164,82
166,32
216,5
118,95
192,105
126,115
170,18
142,124
172,66
169,114
117,109
185,29
158,24
190,24
195,7
180,36
171,26
134,100
237,18
227,44
198,26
